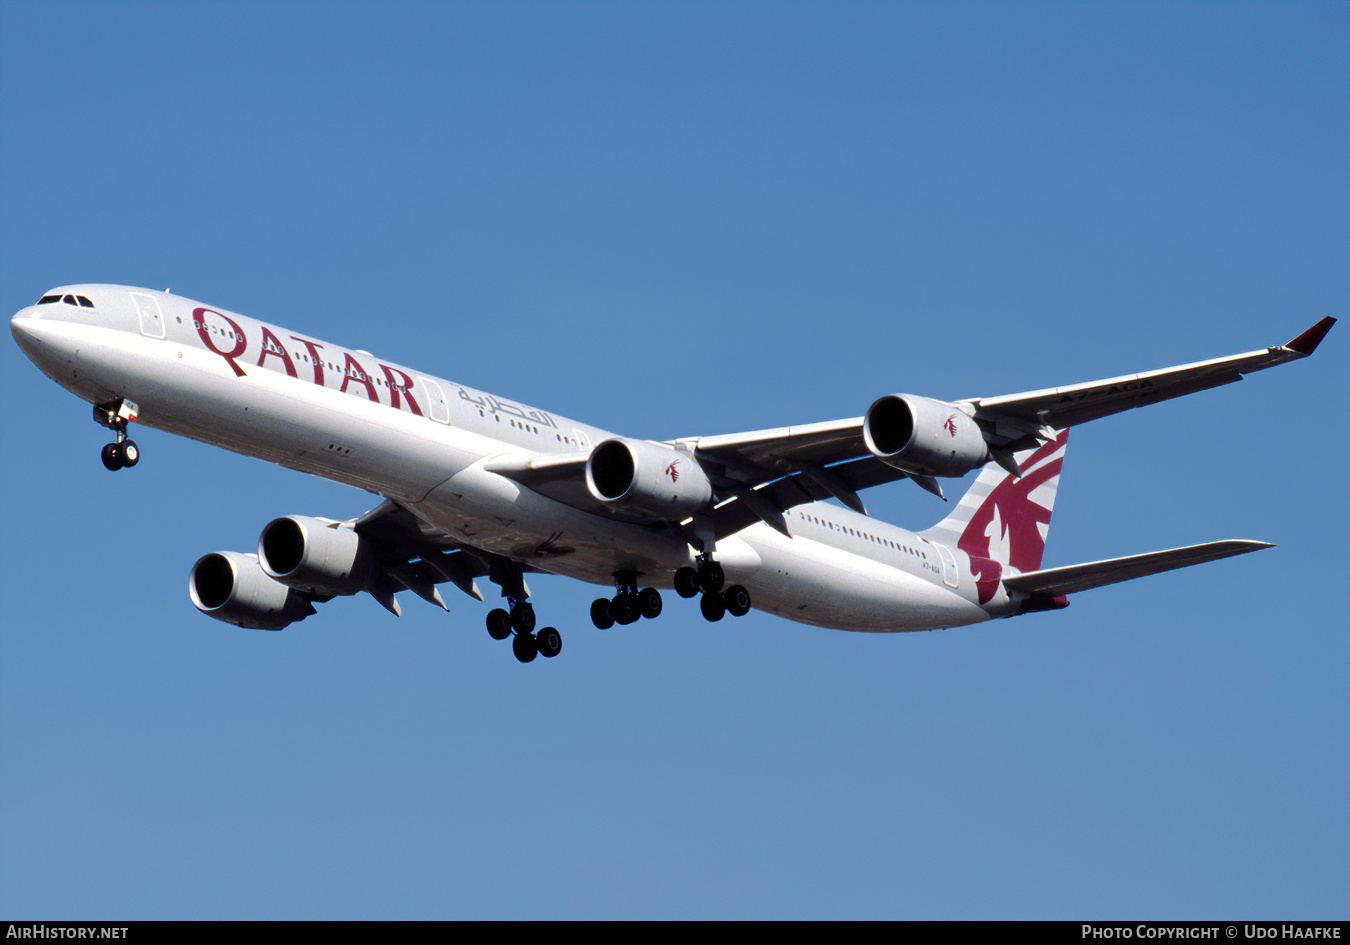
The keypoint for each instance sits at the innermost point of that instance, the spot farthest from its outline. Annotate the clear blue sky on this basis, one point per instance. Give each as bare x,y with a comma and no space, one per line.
678,219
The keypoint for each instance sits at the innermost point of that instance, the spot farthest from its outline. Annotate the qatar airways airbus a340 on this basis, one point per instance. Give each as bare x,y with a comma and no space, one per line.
475,486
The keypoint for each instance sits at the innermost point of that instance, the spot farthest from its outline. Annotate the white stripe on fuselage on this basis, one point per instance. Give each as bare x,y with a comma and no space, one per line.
221,378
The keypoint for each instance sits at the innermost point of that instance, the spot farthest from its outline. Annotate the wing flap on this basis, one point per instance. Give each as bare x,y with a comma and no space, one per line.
417,555
1054,582
800,488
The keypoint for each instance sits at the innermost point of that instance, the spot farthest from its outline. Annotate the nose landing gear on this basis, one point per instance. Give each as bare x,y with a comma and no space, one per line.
116,416
124,453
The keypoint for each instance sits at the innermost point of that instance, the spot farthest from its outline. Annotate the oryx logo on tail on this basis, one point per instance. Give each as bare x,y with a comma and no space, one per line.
1002,521
1011,524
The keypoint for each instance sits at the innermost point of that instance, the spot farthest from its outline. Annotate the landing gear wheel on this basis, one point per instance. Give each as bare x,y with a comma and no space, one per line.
499,624
713,607
115,415
649,603
624,607
711,577
523,619
601,615
686,582
525,647
129,452
737,600
549,642
112,458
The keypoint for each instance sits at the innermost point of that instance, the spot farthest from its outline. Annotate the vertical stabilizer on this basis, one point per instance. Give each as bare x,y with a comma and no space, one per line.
1004,518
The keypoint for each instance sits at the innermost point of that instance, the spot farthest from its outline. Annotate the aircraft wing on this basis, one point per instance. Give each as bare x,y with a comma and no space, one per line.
417,556
1053,582
817,443
560,476
1011,422
757,476
768,502
1061,407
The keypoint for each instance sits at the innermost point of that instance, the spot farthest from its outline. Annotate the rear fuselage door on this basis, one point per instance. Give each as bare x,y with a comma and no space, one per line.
950,575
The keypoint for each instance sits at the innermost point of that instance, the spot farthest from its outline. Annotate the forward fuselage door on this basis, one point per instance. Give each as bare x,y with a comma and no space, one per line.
436,404
147,308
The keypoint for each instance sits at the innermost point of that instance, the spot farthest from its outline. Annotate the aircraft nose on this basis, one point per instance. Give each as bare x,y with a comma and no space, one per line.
21,326
34,335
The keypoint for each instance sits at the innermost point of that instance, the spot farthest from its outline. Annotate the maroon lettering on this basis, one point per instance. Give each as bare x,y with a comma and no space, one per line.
395,388
273,346
355,372
400,384
314,358
240,342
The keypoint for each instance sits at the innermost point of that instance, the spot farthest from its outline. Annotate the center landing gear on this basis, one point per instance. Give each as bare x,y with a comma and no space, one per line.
628,604
116,416
519,618
709,578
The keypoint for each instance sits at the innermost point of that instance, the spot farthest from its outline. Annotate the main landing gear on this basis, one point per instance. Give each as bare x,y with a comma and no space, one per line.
519,619
709,578
116,416
628,603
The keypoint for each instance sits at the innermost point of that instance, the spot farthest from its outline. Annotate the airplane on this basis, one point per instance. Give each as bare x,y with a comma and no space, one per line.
477,486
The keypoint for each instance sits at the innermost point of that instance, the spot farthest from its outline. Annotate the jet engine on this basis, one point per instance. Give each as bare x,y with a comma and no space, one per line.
655,481
923,436
321,558
232,587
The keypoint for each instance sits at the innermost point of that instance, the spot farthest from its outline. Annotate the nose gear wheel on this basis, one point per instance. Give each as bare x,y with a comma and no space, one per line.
115,416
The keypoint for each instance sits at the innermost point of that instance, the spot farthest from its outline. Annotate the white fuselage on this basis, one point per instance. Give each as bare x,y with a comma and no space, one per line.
428,444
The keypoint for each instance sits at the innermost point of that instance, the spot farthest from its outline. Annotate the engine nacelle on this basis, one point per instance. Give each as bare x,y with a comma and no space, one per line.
924,436
320,558
655,481
232,587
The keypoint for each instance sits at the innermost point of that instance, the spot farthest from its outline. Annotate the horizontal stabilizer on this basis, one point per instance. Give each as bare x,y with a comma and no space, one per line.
1082,577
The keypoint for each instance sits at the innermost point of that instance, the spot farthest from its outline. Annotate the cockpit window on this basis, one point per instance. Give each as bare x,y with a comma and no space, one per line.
81,301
